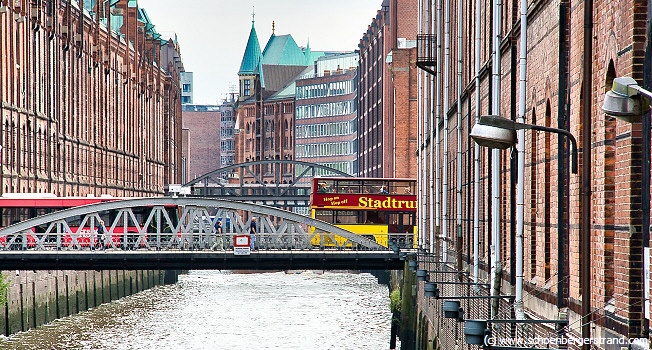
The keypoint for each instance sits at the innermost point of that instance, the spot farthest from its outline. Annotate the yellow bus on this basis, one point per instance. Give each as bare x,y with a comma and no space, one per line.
381,209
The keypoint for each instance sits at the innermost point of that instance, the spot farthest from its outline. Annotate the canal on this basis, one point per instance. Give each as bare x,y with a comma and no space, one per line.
223,310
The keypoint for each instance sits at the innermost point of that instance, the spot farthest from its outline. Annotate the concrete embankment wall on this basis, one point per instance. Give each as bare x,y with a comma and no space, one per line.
39,297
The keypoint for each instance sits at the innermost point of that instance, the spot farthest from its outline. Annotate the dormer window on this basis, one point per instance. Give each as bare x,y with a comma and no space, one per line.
246,88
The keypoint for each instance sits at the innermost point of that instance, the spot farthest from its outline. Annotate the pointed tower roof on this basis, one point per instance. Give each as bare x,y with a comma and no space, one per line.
252,54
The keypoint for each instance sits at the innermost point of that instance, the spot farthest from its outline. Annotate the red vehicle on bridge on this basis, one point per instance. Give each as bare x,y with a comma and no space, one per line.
381,209
17,207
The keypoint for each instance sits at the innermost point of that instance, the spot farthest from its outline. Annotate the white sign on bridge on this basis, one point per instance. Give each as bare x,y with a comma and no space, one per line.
241,245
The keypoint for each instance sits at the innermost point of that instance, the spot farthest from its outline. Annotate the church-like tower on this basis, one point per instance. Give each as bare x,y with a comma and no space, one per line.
249,66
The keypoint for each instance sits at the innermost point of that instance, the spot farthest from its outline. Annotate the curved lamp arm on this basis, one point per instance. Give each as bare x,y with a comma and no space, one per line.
505,123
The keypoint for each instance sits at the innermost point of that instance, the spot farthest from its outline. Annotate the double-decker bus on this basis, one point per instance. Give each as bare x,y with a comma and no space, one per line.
17,207
382,209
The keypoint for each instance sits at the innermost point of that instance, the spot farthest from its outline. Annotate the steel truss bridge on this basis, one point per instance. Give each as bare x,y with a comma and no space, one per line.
179,233
228,183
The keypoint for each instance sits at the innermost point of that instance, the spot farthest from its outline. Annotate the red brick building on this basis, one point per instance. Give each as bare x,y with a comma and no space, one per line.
387,110
84,112
202,123
584,234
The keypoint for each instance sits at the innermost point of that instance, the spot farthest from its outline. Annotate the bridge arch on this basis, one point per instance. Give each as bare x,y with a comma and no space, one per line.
228,182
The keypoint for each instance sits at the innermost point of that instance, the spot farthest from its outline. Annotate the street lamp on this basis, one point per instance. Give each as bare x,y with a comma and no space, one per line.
625,100
496,132
493,136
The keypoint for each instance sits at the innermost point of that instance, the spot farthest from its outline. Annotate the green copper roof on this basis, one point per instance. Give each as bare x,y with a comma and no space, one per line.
283,50
308,53
312,56
251,56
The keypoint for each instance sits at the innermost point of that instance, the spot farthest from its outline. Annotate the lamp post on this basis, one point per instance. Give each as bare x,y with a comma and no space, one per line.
628,101
496,132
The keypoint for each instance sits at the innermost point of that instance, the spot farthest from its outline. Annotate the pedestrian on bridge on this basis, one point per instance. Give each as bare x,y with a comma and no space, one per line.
101,231
252,233
219,242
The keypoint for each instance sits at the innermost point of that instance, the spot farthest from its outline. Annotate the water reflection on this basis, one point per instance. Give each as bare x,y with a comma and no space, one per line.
220,310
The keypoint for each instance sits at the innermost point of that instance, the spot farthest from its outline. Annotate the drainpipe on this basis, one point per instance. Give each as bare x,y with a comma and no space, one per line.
645,154
585,203
438,99
444,187
496,267
562,189
476,154
520,177
460,52
420,123
427,96
429,162
434,228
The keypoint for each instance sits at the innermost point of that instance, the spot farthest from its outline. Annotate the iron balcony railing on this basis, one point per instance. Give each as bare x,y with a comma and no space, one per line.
427,52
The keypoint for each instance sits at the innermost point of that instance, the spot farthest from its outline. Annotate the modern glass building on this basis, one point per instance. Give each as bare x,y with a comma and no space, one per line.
326,114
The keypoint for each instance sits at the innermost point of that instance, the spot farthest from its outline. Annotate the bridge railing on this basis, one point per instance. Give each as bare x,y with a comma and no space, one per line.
201,241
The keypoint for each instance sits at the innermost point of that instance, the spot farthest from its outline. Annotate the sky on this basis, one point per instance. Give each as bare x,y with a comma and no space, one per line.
213,34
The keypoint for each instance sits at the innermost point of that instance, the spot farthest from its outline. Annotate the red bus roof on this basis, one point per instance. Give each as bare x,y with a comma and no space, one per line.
48,201
340,178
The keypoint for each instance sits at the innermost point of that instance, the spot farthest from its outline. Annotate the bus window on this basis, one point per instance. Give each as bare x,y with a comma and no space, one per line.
373,186
375,217
395,223
324,215
346,217
400,187
348,186
409,219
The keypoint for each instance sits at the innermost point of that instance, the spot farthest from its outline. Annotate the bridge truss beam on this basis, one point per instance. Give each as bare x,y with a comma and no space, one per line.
179,232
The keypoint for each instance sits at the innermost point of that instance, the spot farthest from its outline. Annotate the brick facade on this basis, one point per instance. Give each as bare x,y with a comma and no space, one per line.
387,110
618,37
266,132
203,124
83,113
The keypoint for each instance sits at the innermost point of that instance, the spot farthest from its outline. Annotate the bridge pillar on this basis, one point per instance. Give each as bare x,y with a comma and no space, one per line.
171,276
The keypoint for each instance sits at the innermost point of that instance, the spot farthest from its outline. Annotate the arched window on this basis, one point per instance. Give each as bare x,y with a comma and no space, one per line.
609,192
534,183
547,192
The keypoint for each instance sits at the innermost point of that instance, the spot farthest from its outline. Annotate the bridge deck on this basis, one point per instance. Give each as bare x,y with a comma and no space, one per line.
183,260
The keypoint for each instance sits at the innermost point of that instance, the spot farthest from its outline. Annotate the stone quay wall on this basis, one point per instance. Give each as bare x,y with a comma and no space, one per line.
35,298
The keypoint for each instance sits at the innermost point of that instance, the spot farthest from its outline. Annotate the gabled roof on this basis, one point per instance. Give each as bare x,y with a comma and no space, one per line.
289,90
252,55
277,76
283,50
